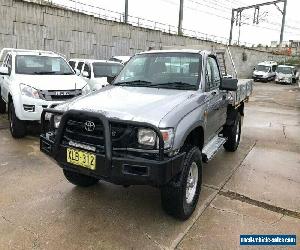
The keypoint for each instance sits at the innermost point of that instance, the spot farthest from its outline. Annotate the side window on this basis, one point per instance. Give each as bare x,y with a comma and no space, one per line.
208,77
9,64
79,66
274,68
5,60
72,64
215,72
87,68
213,78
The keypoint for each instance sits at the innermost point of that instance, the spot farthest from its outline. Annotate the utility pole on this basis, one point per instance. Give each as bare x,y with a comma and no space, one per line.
231,27
283,23
240,24
126,12
180,18
256,8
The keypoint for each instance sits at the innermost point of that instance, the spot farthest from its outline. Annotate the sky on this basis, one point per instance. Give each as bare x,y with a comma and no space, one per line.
211,17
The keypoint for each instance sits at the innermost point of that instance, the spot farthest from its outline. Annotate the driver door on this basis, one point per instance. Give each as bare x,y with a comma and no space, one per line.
216,108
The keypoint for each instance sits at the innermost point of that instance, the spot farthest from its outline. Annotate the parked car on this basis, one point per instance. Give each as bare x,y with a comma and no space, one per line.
33,80
99,73
77,64
120,59
286,74
154,125
265,71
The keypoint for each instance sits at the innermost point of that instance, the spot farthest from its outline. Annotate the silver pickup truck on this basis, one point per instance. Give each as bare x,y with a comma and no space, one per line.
165,113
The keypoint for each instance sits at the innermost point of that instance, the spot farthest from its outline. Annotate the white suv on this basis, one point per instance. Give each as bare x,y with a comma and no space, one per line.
33,80
99,73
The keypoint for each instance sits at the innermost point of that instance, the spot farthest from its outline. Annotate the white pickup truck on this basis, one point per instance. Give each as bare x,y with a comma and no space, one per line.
32,80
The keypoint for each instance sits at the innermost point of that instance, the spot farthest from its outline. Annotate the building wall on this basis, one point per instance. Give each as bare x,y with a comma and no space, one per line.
32,24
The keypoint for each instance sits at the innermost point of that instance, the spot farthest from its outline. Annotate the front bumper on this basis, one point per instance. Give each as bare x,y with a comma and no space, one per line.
38,105
127,170
286,81
259,78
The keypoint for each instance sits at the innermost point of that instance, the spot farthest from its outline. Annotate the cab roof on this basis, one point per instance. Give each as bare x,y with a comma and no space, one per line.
194,51
286,66
267,63
94,61
30,52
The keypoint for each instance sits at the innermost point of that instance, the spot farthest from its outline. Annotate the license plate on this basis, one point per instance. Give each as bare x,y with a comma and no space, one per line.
81,158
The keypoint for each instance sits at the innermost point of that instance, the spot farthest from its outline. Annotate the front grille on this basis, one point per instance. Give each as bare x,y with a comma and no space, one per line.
123,137
75,131
59,95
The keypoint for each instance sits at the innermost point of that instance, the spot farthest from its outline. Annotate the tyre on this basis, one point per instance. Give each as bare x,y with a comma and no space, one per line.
2,106
233,134
80,179
16,126
179,198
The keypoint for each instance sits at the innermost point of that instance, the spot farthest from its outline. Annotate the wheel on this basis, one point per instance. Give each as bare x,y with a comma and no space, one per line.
233,134
179,198
2,106
80,179
16,126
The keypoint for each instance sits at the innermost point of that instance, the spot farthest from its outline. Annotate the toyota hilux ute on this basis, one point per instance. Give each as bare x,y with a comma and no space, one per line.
32,80
165,113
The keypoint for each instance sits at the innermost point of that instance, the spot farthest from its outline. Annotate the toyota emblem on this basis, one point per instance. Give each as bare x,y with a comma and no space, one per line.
89,126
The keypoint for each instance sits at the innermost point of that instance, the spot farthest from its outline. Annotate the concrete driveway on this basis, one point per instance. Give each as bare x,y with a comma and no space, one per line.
255,190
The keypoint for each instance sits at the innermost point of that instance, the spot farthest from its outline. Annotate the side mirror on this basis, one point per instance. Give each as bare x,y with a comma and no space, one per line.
85,74
77,72
110,79
4,71
228,84
254,68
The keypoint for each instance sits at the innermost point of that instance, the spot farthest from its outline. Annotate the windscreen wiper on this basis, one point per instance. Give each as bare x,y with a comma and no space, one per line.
174,85
45,72
133,83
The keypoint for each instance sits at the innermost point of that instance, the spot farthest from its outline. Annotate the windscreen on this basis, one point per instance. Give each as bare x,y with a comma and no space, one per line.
106,69
42,65
164,70
262,68
284,70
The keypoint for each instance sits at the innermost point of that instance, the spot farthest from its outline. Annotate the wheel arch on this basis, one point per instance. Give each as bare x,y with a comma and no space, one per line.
194,137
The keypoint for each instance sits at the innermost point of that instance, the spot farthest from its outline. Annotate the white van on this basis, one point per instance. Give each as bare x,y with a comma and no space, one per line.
265,71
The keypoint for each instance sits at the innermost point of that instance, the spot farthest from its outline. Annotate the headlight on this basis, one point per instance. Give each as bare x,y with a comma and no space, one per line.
29,91
86,90
56,120
288,79
146,137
